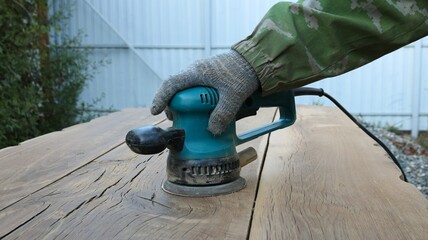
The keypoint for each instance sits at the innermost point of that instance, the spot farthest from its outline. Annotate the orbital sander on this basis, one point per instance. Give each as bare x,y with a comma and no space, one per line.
199,163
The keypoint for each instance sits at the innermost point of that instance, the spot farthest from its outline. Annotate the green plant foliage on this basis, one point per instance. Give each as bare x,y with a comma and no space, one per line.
393,128
423,140
40,80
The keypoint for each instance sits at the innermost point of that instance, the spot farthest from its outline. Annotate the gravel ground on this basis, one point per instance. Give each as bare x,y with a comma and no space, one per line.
411,156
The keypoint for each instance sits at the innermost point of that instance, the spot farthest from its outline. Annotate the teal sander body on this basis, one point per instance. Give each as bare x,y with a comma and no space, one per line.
199,163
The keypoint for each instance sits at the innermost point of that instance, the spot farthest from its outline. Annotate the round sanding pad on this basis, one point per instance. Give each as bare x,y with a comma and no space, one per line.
203,191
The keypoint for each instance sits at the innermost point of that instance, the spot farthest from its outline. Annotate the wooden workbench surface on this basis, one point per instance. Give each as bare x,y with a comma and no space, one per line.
321,178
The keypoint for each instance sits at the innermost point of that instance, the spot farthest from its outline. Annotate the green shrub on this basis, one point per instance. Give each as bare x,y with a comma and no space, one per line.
40,80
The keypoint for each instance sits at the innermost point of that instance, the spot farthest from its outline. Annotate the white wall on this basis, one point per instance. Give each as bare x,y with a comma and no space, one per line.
148,40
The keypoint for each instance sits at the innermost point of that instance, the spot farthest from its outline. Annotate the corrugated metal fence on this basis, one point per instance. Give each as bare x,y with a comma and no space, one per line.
147,41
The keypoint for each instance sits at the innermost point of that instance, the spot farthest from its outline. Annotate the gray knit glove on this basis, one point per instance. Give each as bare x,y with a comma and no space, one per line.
229,73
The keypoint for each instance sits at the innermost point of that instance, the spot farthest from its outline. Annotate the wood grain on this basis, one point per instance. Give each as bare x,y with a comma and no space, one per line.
118,195
36,163
323,178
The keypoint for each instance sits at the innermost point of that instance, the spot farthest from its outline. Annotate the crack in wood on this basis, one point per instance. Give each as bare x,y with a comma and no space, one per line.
153,201
145,161
64,176
57,220
91,199
262,162
115,204
74,209
99,177
107,188
132,179
124,194
53,193
27,221
82,173
96,206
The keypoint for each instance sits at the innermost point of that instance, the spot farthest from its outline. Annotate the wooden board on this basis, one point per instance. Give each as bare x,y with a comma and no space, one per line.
324,178
36,163
116,194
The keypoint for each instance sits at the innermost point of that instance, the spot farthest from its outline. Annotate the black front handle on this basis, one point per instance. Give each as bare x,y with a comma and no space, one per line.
152,139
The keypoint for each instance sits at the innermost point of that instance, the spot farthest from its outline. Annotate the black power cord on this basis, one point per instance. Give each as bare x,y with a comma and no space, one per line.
305,91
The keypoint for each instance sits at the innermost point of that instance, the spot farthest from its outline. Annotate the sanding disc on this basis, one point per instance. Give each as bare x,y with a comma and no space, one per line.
203,191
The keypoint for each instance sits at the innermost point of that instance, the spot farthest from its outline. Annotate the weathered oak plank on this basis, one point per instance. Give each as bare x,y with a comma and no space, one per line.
36,163
323,178
118,196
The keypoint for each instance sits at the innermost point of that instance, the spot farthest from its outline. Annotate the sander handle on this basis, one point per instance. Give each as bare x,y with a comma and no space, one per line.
284,100
153,139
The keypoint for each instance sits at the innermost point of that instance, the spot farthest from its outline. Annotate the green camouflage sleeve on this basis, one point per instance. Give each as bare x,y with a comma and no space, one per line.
299,43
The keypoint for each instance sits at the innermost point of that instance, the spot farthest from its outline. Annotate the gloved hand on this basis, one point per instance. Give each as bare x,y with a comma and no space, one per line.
229,73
